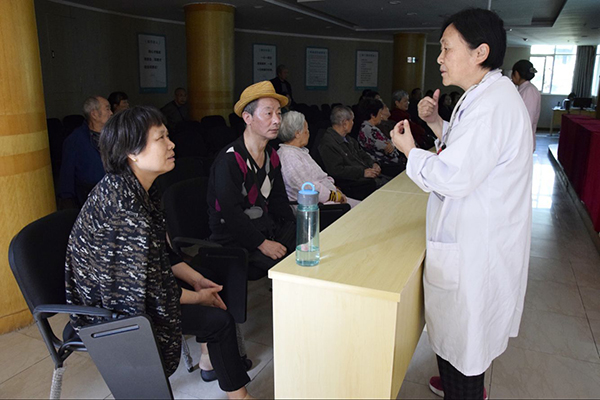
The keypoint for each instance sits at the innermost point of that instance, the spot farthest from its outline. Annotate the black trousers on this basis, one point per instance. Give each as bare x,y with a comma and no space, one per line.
457,385
216,327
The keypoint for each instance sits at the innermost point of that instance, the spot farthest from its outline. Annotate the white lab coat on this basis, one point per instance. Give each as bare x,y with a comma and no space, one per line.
478,226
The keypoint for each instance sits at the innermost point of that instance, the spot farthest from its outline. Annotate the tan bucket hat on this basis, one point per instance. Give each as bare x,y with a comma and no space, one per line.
258,91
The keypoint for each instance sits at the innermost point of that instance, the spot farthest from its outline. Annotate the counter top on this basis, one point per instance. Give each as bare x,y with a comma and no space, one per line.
374,249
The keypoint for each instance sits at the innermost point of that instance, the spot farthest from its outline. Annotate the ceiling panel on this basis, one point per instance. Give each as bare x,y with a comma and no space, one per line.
539,21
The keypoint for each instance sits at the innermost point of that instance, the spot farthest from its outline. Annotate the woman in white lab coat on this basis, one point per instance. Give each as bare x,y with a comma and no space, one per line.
479,210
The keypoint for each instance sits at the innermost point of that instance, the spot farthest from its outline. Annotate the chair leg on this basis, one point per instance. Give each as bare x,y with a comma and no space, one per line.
57,382
187,358
241,340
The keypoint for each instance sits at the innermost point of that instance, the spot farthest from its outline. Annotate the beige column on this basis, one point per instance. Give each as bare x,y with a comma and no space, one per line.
26,188
209,31
409,61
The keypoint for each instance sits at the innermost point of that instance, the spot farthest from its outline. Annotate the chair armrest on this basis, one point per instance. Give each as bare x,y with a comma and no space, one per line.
187,248
227,266
45,309
179,241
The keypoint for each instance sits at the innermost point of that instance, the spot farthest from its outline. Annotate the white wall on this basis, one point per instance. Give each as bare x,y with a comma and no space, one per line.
85,52
291,51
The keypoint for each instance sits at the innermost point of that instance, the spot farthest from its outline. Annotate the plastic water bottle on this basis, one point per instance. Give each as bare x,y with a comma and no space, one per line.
307,226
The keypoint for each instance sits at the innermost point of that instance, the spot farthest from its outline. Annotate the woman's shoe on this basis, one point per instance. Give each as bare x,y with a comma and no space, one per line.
211,375
208,376
247,362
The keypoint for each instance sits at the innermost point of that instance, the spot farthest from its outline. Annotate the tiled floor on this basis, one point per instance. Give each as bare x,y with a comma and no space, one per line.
555,356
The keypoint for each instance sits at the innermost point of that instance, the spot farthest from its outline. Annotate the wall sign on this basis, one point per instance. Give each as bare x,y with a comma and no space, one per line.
153,63
367,63
264,62
317,68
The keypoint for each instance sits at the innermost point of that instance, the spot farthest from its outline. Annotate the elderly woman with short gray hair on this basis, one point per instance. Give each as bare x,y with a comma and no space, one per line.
297,166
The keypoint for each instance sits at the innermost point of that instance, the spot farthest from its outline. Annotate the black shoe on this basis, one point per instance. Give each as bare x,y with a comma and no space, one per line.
208,376
247,362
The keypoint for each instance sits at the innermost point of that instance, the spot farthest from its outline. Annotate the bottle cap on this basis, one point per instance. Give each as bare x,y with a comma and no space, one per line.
308,197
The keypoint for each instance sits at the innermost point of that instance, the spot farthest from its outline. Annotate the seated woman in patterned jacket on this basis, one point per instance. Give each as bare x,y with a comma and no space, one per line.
117,252
375,142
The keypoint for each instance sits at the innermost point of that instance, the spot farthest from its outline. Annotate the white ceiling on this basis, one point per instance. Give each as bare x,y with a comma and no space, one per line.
527,21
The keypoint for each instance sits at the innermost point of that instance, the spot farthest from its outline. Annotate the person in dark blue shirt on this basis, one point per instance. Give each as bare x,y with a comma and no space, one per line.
81,167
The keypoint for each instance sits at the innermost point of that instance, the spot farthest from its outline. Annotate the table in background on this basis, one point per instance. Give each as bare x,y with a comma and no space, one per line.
557,113
579,156
348,327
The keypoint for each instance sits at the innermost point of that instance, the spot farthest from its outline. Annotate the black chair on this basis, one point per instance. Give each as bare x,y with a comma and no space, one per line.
219,137
191,126
331,213
37,259
189,144
274,143
185,168
56,137
210,121
326,110
237,124
186,211
314,150
315,130
72,122
359,189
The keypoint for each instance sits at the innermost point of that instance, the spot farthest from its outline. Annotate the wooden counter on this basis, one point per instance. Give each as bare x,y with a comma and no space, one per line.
557,114
348,327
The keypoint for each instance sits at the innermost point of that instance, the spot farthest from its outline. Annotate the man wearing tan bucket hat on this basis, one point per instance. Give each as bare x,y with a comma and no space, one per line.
248,204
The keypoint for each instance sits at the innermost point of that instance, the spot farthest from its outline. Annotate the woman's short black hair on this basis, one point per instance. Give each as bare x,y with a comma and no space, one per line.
478,26
369,107
115,98
525,69
127,133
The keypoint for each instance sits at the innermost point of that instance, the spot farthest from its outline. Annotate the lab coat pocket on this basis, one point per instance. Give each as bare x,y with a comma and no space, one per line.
441,265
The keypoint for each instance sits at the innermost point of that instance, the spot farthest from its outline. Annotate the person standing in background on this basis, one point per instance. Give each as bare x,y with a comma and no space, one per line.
522,74
281,84
176,110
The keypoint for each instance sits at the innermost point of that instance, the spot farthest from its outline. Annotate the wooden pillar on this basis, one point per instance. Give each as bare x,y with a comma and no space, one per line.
209,32
26,187
409,61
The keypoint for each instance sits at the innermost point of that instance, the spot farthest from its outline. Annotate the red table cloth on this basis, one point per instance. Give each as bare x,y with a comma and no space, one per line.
579,155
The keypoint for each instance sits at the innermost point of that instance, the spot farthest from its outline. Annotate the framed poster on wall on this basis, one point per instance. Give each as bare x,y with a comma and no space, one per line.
367,64
264,62
317,68
153,63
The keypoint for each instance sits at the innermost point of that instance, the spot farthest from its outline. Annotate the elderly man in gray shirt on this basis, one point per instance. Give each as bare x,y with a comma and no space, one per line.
352,168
